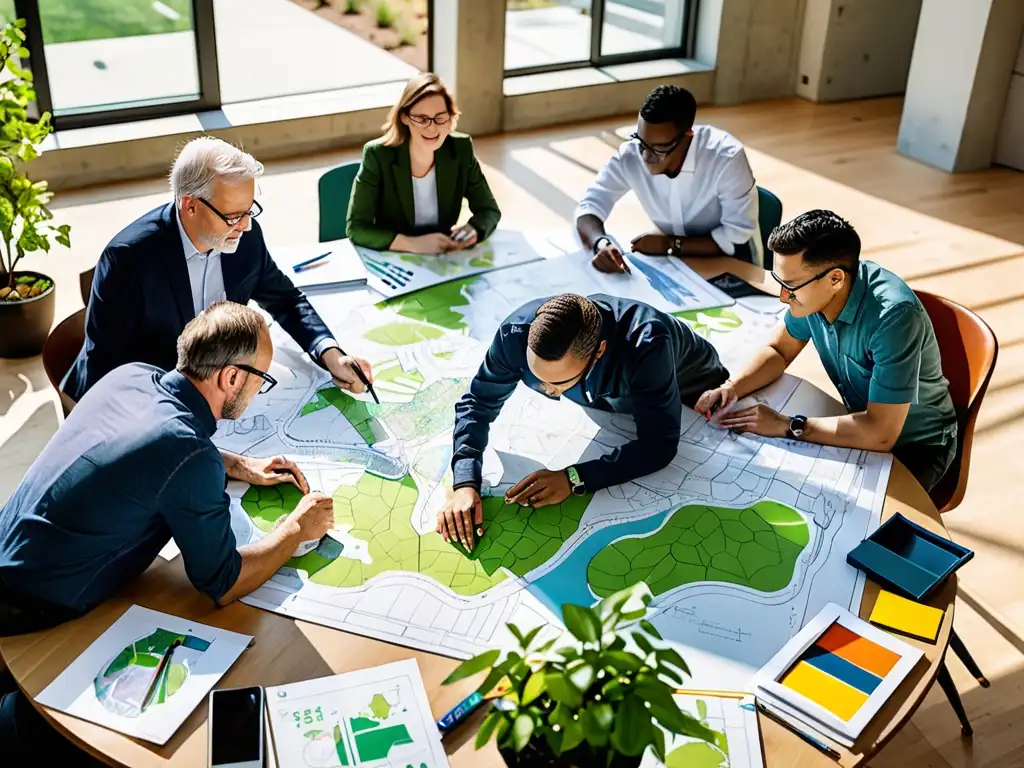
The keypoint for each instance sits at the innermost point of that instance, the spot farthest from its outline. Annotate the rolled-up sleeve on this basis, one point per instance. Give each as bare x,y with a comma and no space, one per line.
611,184
896,351
737,195
198,512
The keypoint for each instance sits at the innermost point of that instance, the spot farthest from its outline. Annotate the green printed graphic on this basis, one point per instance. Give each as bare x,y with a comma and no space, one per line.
339,746
708,322
379,706
757,547
402,334
377,743
360,724
436,305
523,538
445,266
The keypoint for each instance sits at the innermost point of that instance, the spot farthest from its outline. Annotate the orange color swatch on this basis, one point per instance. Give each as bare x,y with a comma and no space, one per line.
855,649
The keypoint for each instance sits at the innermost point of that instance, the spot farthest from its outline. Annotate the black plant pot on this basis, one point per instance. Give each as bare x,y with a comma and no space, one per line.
25,324
536,756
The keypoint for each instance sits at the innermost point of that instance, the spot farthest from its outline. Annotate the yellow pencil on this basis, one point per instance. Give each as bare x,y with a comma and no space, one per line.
716,694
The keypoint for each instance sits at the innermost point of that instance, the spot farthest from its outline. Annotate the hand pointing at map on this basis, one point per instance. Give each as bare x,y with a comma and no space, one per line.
340,368
457,519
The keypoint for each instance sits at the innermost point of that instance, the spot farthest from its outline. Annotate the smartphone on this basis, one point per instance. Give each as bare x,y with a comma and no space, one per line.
235,728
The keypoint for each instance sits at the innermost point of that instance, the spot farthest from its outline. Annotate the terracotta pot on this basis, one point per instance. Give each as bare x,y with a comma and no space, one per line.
25,324
534,756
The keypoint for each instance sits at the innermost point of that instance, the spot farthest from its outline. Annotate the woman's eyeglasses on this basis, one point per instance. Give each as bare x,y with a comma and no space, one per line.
234,218
441,119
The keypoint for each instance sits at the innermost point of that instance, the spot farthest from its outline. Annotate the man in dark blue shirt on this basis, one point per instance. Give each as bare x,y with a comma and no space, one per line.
132,467
602,352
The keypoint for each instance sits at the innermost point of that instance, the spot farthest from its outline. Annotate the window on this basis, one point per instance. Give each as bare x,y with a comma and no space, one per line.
547,35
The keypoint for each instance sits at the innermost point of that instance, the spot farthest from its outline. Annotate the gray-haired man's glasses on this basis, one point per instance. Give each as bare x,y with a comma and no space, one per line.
234,218
269,382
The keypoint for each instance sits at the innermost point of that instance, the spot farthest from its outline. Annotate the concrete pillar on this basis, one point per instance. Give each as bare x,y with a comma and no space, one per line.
959,77
469,55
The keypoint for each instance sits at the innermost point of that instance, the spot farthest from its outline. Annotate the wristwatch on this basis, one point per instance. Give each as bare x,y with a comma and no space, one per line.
797,425
578,489
599,243
675,247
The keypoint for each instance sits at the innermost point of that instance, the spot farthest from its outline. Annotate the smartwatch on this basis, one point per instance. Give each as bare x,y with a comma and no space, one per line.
797,425
601,242
575,483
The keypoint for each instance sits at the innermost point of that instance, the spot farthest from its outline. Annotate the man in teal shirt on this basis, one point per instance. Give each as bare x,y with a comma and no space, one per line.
875,340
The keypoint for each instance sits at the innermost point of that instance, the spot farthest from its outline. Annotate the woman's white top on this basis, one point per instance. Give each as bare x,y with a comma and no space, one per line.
424,195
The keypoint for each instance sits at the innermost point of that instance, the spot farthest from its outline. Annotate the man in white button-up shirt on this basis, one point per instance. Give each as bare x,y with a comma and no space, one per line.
693,181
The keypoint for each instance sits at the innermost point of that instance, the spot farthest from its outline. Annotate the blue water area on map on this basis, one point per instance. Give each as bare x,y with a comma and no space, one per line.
567,582
671,291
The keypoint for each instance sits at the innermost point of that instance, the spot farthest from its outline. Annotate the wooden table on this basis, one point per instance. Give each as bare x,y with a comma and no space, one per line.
286,650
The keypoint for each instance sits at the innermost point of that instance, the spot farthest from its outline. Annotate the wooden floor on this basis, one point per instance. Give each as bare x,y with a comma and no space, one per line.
961,236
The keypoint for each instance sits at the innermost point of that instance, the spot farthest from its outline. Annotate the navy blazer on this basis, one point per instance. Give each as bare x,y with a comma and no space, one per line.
141,298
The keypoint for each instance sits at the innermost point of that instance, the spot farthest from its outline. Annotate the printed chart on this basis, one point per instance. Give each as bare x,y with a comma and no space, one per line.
375,718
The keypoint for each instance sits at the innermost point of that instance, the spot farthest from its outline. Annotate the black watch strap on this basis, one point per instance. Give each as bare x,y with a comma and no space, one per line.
796,428
601,242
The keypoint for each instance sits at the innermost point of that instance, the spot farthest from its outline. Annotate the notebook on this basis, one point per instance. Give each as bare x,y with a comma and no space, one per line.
341,268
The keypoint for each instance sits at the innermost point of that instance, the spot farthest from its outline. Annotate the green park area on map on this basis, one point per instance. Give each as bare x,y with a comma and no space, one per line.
757,547
435,305
146,652
445,266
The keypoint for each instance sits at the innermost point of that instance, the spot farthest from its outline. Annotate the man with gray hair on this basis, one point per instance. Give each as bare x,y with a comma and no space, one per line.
168,266
132,467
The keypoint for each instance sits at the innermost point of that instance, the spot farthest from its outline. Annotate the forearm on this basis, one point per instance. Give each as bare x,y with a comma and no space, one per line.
633,460
263,558
854,430
402,242
232,464
590,228
702,245
767,366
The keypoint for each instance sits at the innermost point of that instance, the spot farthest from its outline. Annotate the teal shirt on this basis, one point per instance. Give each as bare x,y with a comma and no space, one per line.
882,349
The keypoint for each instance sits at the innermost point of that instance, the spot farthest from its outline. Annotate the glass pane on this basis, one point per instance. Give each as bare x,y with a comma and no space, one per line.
6,11
634,26
106,53
543,32
271,48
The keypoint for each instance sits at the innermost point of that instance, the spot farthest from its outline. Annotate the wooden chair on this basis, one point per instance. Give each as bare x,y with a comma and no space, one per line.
65,341
969,350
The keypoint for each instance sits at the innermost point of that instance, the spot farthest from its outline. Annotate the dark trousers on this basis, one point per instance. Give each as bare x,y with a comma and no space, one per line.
927,463
25,735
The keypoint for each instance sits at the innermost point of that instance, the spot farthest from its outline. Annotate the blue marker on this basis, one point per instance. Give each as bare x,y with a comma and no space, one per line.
306,263
460,712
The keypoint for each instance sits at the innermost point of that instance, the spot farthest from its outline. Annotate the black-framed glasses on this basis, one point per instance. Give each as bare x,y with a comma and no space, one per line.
269,382
795,288
421,120
233,220
664,152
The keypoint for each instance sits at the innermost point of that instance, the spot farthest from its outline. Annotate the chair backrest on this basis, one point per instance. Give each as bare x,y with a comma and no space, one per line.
769,216
969,350
60,350
334,190
85,284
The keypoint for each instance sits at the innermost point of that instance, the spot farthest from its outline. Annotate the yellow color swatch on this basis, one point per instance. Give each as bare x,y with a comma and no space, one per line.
906,616
837,697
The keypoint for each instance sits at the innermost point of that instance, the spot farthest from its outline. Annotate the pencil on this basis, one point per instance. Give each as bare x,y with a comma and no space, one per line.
712,693
159,673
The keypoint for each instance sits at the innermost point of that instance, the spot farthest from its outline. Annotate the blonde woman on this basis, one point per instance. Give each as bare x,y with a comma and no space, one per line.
409,191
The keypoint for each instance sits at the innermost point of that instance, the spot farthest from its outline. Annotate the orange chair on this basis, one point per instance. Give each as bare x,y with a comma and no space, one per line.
969,350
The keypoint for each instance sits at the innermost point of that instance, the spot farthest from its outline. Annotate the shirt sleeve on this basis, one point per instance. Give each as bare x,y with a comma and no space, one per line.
608,188
896,352
737,195
198,512
656,409
798,327
496,380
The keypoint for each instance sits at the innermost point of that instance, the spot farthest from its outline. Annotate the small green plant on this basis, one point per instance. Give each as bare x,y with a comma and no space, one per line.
407,34
23,211
385,14
593,703
352,7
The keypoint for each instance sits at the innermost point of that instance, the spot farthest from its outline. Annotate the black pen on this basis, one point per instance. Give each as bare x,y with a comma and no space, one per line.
819,745
362,378
159,672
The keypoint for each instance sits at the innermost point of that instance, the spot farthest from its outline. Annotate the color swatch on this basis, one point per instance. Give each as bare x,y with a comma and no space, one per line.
906,616
840,670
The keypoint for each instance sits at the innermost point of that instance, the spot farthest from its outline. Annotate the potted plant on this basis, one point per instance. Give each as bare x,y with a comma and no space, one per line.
597,703
26,298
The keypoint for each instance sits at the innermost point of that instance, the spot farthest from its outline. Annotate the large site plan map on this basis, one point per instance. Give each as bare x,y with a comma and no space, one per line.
740,539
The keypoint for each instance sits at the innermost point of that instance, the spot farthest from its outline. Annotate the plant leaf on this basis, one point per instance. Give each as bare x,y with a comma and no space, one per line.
597,722
671,656
516,634
650,629
642,641
487,727
582,676
531,636
534,687
573,735
522,730
633,727
623,661
473,666
494,677
564,692
582,622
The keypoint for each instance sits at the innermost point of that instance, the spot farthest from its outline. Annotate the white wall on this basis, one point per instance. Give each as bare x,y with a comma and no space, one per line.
1010,143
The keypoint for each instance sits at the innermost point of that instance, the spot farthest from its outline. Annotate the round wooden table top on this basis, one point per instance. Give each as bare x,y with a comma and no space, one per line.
286,650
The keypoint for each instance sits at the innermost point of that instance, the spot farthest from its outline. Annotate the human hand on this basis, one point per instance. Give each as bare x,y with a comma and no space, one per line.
314,514
717,399
540,488
650,244
340,368
463,512
757,420
270,472
609,259
432,244
464,236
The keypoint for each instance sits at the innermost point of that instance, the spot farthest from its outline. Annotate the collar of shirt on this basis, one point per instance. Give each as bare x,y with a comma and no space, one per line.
187,246
183,389
690,161
856,297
